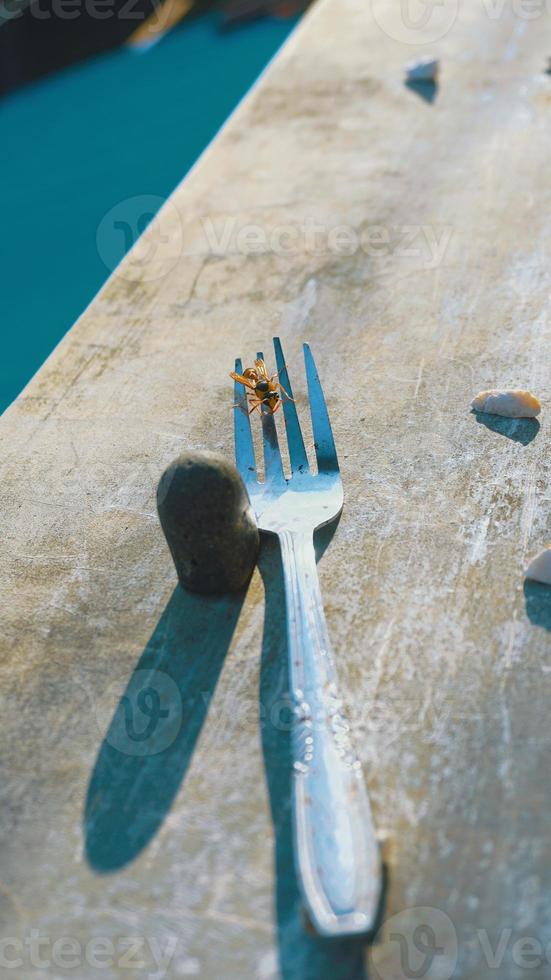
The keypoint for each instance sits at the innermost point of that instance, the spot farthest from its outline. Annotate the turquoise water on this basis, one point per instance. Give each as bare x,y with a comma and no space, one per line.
75,145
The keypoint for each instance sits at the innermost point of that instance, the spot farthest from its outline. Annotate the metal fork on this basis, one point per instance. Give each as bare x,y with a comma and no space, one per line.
336,852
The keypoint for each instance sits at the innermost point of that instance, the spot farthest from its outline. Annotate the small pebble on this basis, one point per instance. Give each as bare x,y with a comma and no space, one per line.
208,523
513,403
539,568
423,70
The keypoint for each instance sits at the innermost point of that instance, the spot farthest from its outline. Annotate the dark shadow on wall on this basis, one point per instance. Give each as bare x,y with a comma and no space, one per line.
302,954
150,742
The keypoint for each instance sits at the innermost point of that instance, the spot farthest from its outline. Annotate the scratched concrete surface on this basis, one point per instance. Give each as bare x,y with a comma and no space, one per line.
138,843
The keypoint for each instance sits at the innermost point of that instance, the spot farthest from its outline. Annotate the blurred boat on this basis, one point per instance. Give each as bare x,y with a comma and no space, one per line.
38,37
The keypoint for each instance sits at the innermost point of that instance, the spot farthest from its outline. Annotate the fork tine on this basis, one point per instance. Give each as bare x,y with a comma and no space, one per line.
324,444
273,467
244,449
297,452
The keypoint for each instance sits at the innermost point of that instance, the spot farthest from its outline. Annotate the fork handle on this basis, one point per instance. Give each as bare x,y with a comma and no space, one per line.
336,852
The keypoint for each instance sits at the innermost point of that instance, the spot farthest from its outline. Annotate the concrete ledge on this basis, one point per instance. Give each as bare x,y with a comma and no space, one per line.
408,241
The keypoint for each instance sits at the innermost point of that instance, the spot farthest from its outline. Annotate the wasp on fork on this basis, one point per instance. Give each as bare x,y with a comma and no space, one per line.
264,390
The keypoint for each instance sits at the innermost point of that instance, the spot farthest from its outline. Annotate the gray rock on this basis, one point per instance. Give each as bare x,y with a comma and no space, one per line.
208,523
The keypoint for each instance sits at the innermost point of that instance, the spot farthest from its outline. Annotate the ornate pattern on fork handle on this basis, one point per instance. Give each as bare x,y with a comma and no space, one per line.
335,844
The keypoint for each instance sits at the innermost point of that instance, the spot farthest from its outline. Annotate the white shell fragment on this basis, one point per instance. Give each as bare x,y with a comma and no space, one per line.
422,70
539,568
513,403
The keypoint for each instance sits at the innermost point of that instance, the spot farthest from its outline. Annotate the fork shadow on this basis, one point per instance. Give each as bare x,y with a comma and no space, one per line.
302,954
155,726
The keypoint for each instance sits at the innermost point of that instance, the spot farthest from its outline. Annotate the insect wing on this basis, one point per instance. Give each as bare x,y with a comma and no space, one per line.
261,368
241,379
